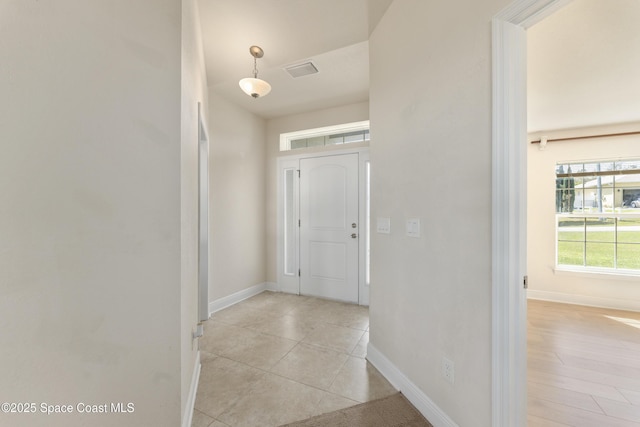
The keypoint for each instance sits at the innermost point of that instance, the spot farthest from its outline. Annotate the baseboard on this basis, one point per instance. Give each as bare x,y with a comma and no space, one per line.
187,417
271,286
232,299
421,401
590,301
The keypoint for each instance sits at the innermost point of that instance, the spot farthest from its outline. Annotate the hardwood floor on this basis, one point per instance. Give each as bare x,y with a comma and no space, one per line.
583,366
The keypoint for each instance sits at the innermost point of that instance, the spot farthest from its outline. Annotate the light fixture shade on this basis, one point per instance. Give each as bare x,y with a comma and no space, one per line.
255,87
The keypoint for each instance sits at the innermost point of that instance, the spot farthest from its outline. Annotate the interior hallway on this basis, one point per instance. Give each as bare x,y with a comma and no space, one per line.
277,358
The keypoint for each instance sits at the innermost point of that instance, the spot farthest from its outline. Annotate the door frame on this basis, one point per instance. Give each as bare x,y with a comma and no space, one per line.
509,213
203,217
291,284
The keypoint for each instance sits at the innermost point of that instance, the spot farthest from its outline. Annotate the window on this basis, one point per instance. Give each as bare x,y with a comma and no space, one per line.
327,136
290,226
367,216
598,215
335,139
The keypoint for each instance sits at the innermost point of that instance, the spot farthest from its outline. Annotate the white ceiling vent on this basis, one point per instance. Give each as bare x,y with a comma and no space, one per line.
300,70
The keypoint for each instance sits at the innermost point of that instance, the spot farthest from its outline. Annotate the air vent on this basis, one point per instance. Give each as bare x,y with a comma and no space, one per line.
300,70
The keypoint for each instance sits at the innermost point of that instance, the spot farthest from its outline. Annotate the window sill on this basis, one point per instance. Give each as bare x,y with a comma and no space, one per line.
631,275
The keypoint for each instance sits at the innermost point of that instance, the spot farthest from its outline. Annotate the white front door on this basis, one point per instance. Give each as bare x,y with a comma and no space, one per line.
329,229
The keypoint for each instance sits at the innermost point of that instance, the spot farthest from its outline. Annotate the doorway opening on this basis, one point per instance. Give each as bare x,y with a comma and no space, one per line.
582,243
509,217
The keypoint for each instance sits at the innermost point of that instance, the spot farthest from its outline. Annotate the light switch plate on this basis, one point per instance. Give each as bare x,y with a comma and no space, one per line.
413,227
383,225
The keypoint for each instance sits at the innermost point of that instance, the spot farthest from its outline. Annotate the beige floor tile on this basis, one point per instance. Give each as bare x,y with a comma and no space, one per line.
312,308
244,345
242,315
333,402
310,345
349,315
339,338
220,338
222,382
360,381
286,327
275,303
261,351
311,365
273,401
205,356
361,348
201,420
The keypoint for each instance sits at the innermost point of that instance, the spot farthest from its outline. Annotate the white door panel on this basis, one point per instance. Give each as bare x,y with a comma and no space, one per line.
329,227
327,260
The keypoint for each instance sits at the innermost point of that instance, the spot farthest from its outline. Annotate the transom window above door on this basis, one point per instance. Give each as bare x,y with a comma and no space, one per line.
347,133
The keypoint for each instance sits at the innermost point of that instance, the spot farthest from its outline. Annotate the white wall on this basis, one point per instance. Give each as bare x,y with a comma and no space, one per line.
430,105
587,53
590,289
237,188
315,119
90,213
194,91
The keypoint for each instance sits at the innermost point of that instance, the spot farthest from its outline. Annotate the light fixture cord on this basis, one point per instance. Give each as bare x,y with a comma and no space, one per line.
255,67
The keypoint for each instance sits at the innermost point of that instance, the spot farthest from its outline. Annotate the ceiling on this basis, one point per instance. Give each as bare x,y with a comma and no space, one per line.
584,66
333,34
583,61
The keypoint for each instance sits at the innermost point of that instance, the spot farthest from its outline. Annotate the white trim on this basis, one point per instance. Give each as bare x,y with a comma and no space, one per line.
187,417
509,174
600,273
587,300
204,237
526,13
324,153
286,282
509,225
286,138
412,392
363,287
272,287
232,299
291,284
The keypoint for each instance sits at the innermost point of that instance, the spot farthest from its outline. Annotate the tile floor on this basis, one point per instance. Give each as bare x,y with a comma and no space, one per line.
277,358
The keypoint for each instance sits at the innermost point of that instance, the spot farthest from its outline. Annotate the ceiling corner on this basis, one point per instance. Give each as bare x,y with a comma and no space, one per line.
376,10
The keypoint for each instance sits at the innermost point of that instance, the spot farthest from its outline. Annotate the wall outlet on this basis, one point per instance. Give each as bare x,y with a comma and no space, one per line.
448,370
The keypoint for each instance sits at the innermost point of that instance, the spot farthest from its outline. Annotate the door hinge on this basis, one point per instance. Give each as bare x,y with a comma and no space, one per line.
298,173
299,223
298,272
526,282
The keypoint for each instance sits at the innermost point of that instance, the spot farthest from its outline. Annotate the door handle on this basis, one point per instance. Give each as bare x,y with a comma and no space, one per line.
354,235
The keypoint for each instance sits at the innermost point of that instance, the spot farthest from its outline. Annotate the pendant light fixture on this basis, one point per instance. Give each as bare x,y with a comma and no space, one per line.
254,86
